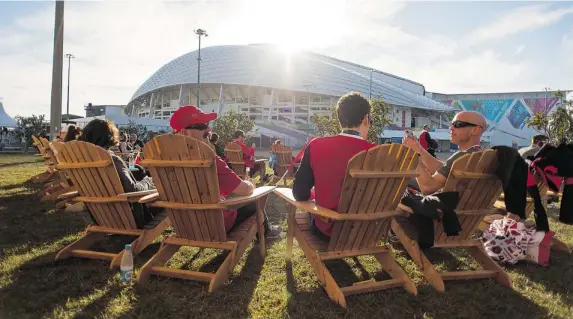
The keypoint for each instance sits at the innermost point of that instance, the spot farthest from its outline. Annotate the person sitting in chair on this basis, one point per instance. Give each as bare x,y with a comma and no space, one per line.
323,165
465,131
105,134
249,155
192,121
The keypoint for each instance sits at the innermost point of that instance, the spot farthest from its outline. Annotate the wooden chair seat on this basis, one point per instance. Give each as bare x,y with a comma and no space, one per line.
368,202
472,177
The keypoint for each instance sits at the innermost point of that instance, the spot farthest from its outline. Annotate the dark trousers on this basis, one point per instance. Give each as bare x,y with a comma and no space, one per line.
315,231
247,211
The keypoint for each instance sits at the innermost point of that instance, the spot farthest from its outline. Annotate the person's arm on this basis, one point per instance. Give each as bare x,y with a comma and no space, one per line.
127,180
431,163
245,188
429,183
303,179
230,183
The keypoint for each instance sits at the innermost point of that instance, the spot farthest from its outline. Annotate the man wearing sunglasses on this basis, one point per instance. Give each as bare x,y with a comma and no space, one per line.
537,143
465,131
192,121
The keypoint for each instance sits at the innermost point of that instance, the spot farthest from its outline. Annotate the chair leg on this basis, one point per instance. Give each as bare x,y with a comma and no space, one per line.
159,259
222,274
87,240
291,224
487,263
390,265
261,226
425,266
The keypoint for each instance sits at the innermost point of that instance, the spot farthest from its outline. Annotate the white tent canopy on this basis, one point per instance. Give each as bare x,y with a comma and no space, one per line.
5,119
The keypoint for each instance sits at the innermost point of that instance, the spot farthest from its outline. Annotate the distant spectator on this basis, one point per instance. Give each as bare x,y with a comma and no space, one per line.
123,144
219,150
425,137
135,142
537,142
73,133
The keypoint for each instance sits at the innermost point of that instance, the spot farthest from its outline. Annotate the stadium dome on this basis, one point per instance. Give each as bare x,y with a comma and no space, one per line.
265,66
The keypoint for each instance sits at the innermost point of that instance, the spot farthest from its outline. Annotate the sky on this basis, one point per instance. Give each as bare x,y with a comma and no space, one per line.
449,47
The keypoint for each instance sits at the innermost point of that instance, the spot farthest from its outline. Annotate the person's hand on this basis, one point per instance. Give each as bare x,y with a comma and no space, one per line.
412,142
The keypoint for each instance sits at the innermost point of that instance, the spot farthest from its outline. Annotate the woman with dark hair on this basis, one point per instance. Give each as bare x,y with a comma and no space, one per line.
104,134
73,133
214,138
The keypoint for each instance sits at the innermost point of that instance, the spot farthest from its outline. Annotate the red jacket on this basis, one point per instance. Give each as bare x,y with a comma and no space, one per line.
248,154
424,140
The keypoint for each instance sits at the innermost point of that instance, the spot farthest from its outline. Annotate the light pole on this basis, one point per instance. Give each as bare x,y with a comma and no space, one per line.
545,104
370,92
58,57
199,33
70,57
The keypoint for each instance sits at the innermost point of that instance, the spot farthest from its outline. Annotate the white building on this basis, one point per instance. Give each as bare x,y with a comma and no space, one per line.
283,92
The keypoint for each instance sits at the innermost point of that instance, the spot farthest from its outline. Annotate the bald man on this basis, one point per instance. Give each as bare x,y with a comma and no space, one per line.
465,131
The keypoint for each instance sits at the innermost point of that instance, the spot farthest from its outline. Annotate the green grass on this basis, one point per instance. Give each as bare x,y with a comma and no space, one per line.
33,285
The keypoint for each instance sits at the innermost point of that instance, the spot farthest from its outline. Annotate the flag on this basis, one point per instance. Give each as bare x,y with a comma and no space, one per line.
221,101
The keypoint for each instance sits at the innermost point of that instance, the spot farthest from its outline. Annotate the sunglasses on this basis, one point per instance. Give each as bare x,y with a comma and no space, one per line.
462,124
199,127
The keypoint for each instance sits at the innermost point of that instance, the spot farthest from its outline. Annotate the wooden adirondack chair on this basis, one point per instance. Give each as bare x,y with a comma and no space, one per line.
472,176
60,185
48,174
556,243
373,187
235,156
92,171
284,158
185,173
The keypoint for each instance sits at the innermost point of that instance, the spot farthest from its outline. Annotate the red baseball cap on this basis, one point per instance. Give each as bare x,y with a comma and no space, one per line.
189,115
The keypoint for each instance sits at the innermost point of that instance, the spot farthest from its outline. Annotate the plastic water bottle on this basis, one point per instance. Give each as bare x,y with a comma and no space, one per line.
131,161
126,266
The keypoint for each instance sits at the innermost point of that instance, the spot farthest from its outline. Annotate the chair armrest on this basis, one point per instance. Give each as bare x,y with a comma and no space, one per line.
136,196
240,201
311,207
149,198
69,195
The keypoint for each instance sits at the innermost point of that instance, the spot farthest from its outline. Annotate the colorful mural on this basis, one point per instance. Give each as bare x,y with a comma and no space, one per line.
542,105
518,115
517,110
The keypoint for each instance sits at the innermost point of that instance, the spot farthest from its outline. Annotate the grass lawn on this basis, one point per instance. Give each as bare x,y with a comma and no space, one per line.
33,285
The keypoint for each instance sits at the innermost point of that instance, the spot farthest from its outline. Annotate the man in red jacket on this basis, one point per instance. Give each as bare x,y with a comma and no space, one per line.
424,137
323,165
249,155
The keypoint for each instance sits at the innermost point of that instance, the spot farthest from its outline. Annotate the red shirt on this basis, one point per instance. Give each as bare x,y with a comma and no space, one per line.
248,154
228,181
327,158
424,140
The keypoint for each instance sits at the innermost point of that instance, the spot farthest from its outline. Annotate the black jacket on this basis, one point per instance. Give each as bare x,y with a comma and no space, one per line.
513,172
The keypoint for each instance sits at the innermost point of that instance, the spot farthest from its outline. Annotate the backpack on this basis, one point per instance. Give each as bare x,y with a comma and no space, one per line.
431,142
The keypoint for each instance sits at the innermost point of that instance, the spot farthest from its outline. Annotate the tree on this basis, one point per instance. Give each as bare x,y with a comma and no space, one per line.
226,125
28,126
330,126
133,128
558,125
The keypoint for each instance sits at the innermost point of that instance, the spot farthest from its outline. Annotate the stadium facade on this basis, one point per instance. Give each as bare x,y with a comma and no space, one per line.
282,93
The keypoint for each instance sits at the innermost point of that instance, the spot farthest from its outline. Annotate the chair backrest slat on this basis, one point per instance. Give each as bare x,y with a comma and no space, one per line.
102,182
188,184
371,195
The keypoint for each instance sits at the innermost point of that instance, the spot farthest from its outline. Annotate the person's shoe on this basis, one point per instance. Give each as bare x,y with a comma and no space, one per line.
265,178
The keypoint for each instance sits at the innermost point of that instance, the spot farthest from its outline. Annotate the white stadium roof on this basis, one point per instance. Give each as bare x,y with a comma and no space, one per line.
266,66
5,119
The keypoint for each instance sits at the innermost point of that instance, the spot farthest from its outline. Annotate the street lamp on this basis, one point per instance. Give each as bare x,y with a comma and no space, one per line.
370,92
70,57
545,104
199,33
